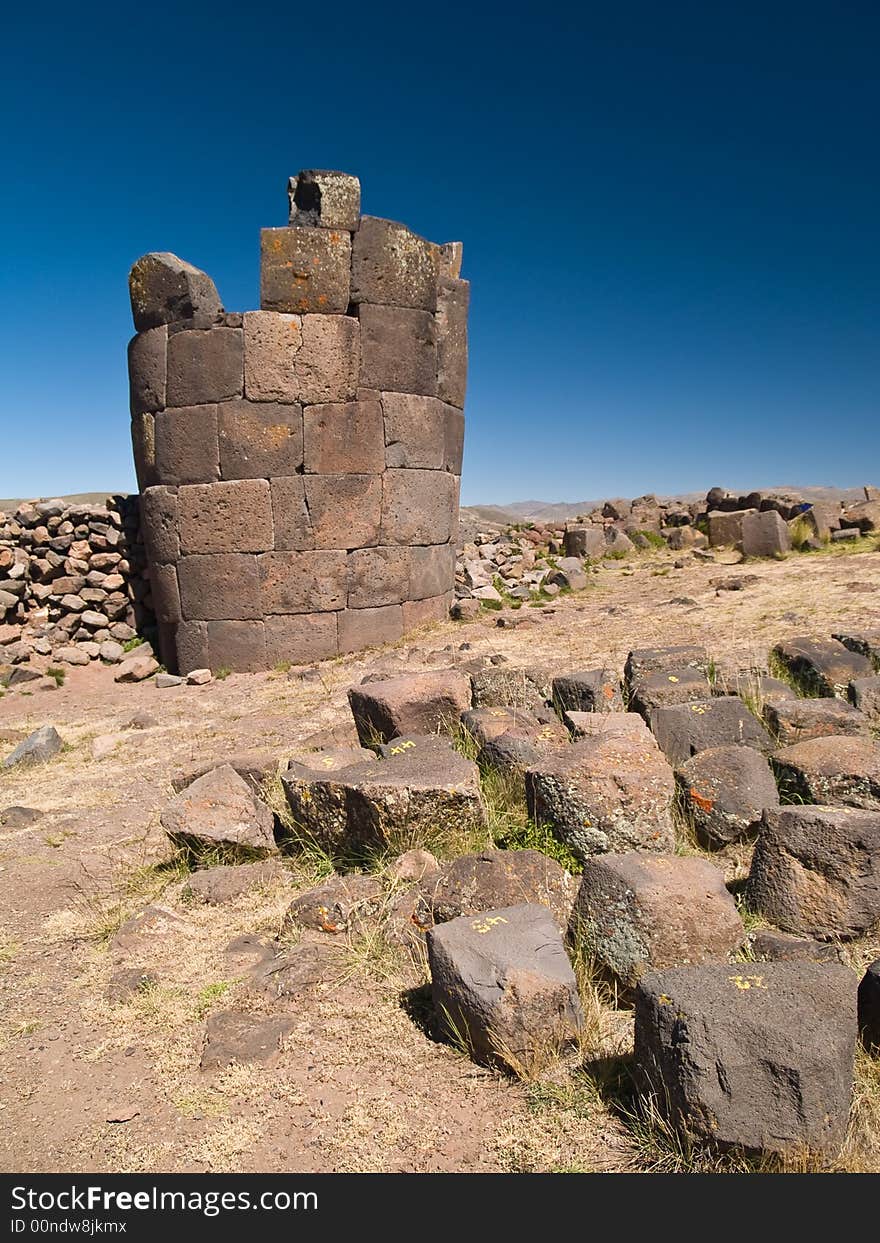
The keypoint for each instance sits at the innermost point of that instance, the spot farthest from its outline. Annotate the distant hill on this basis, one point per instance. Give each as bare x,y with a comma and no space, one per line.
76,498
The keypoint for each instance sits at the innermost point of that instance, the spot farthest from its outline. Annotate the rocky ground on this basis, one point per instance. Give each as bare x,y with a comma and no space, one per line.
100,1074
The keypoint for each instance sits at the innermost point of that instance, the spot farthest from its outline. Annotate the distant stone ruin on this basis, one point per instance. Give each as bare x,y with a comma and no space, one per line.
299,465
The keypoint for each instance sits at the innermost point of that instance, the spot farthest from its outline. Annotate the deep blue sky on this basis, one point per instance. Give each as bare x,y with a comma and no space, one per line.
669,214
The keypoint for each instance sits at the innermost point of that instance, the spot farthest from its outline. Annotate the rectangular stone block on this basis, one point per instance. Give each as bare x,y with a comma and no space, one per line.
300,358
454,441
293,526
343,438
147,367
765,535
323,198
360,628
392,266
226,517
398,350
143,444
432,571
159,523
419,507
303,582
378,576
204,366
726,527
303,270
453,298
187,446
165,593
191,647
417,431
345,510
300,638
219,587
237,645
424,612
260,439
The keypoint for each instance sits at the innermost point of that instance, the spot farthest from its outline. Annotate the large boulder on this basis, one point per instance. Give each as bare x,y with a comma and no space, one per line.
640,911
838,771
42,745
494,878
754,1056
794,720
865,695
823,666
608,792
606,724
725,790
765,534
513,738
816,870
219,811
423,794
503,985
413,703
682,730
165,289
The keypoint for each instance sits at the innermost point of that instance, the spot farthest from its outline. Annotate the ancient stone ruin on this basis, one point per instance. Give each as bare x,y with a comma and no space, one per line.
299,465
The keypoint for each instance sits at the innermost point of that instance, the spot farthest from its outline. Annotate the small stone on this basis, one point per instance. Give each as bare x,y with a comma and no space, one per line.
39,747
166,680
233,1036
225,883
199,677
71,656
111,652
19,817
412,866
769,945
136,669
341,904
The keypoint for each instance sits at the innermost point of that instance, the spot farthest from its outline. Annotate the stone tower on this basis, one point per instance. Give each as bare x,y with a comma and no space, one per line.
299,465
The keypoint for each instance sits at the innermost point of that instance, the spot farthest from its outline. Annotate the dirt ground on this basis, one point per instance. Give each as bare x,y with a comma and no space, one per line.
358,1085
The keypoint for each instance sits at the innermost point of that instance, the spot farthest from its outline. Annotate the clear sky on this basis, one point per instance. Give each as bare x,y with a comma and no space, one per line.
669,214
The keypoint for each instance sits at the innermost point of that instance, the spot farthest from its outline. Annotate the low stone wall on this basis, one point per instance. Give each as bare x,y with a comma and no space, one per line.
74,584
300,464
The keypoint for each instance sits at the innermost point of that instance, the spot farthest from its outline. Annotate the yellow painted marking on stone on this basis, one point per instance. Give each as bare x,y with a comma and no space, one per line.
664,1000
744,982
486,925
401,747
672,678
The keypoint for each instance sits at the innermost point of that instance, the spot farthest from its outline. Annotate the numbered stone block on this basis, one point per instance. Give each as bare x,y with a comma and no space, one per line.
398,350
392,266
305,270
164,289
259,440
225,517
187,445
204,366
344,438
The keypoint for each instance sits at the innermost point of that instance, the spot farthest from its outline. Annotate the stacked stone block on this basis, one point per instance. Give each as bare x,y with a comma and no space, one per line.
299,465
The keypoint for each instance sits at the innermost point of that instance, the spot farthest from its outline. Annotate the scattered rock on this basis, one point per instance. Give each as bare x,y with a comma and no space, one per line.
794,720
19,817
227,882
511,688
219,810
837,771
414,703
768,945
816,870
644,661
166,680
199,677
725,791
495,878
254,767
39,747
589,690
823,666
640,911
341,904
752,1056
659,690
127,982
233,1036
413,866
502,983
136,669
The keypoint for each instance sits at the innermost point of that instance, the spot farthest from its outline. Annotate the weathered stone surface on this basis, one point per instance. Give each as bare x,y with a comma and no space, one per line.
392,266
324,198
147,365
301,582
569,574
204,366
360,628
660,690
290,514
644,661
187,446
300,358
503,687
227,882
344,510
816,870
341,904
869,1007
513,738
303,270
596,724
136,668
254,767
415,798
768,945
493,878
419,507
165,289
794,720
19,817
756,1056
431,573
725,791
727,528
865,695
259,439
421,432
398,350
640,911
453,298
166,605
345,438
313,765
240,1036
413,703
378,576
220,810
865,642
159,516
765,535
584,541
838,771
502,982
300,638
224,586
39,747
593,690
684,729
825,666
609,792
232,517
236,646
